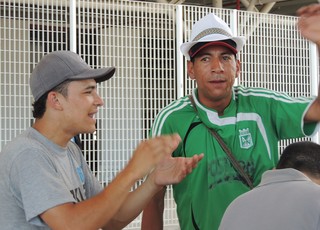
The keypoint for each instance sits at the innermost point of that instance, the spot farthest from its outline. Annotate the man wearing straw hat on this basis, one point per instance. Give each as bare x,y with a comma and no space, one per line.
249,121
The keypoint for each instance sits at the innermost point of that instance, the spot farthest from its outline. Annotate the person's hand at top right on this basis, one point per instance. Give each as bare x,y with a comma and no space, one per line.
308,22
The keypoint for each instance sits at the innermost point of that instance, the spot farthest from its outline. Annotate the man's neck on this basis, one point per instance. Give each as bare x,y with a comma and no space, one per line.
52,132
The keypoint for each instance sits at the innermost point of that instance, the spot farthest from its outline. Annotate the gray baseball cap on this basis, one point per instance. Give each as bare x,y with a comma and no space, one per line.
59,66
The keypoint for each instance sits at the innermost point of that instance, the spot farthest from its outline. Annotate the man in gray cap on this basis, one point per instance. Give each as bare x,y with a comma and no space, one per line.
250,121
45,182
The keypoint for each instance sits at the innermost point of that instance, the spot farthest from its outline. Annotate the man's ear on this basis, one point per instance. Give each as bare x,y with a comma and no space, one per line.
238,66
190,70
53,100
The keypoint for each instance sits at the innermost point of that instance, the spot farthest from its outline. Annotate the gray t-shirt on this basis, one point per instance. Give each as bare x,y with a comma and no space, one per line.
36,175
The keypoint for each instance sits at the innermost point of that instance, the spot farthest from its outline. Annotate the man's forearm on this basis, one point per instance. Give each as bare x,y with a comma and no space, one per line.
136,201
152,217
94,212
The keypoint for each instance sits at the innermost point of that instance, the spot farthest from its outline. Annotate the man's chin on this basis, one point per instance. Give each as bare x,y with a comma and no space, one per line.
89,131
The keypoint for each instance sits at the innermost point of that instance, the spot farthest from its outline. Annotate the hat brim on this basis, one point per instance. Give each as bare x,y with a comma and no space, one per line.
185,47
99,75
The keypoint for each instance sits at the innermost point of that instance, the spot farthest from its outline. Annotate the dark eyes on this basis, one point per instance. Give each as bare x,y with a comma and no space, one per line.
223,57
205,59
88,92
226,57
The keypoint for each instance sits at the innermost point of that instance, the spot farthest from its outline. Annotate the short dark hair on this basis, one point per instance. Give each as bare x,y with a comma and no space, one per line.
303,156
39,106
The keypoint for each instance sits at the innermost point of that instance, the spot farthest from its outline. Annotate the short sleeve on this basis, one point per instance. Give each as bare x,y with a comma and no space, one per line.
37,185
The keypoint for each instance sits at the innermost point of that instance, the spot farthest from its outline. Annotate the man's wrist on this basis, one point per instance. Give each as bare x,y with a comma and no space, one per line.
152,185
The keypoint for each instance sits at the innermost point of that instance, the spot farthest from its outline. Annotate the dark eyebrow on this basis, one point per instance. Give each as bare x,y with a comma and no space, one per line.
228,52
90,87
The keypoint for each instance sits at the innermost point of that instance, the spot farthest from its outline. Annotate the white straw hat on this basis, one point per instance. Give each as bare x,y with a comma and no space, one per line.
214,30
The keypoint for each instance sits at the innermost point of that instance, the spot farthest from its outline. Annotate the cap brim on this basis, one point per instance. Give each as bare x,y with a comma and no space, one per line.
99,75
